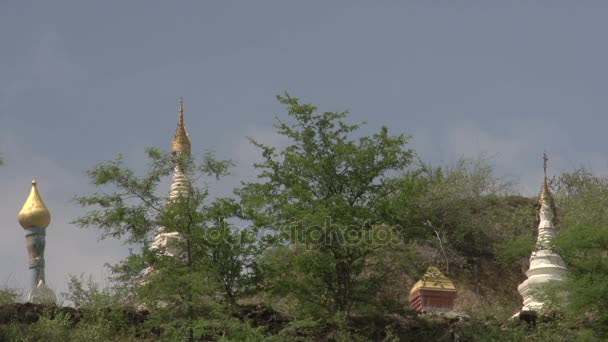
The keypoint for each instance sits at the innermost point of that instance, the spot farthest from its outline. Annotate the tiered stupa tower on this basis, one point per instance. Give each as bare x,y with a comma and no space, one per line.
34,217
545,264
180,185
181,150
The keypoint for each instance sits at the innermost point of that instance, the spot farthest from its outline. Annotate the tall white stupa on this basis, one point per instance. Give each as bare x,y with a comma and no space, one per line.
167,242
545,264
181,150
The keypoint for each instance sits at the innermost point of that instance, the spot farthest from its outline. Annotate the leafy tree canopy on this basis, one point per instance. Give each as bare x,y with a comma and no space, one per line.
320,194
215,264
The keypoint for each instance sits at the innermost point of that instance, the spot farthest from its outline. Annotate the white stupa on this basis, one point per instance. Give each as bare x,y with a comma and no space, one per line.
166,242
545,264
181,150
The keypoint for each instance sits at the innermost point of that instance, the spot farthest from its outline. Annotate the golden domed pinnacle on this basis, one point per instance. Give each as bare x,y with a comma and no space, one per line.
34,213
181,143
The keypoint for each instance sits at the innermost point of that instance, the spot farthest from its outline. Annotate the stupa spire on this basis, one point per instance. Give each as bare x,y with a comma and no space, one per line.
546,264
181,142
181,149
167,242
545,196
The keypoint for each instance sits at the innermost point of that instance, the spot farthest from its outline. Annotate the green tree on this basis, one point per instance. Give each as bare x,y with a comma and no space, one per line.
582,199
9,295
215,263
86,293
319,197
463,218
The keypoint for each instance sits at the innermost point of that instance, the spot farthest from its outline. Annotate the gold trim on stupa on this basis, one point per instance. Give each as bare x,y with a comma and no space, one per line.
181,142
545,196
434,280
34,213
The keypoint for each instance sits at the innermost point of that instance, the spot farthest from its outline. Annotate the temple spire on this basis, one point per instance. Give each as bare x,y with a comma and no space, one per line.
181,142
545,196
546,265
181,149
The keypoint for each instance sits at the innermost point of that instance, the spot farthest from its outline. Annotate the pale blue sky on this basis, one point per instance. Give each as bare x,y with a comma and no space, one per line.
81,81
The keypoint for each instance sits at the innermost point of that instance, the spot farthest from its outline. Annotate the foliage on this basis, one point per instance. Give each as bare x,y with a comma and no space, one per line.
470,211
55,329
215,265
583,241
9,295
89,294
53,326
346,220
470,223
319,194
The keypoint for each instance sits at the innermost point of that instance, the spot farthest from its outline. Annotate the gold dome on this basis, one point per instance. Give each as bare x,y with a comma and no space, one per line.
34,213
181,142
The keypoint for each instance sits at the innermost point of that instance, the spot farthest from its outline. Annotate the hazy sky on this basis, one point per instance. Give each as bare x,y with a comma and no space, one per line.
81,81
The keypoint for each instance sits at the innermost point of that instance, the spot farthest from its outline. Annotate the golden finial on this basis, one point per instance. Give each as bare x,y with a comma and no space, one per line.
34,213
181,143
545,195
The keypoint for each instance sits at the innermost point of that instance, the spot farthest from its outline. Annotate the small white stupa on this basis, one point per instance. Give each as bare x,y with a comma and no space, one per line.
545,264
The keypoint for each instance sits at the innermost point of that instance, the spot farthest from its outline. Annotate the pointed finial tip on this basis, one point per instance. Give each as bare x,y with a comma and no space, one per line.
34,182
181,143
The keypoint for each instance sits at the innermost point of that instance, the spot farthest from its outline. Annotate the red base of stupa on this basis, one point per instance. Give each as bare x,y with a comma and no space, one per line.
429,300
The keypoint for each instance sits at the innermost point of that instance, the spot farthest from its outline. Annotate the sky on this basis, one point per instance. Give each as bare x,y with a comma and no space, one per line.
82,81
